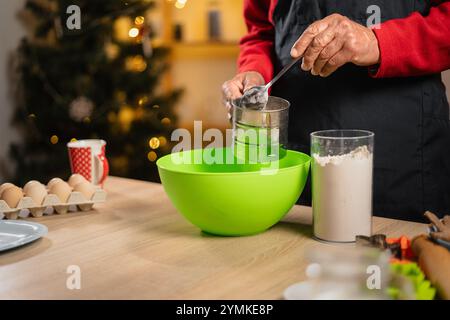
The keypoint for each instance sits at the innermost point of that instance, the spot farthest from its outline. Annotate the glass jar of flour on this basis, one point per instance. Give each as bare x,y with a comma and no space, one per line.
342,174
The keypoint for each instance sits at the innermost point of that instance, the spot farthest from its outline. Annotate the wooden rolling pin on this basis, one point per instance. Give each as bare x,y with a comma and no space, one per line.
435,263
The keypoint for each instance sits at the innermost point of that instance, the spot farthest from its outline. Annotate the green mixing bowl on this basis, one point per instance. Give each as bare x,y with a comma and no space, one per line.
233,199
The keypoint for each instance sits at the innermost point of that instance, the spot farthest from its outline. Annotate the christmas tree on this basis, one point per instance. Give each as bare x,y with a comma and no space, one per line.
95,77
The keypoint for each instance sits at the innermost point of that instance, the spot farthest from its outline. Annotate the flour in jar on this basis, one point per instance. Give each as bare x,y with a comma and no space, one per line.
342,195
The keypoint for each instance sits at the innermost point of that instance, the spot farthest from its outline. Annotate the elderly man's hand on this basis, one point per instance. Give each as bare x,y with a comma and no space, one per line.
235,88
328,44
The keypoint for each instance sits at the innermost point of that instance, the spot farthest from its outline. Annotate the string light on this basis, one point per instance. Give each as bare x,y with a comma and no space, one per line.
126,117
152,156
136,63
112,51
180,4
139,20
54,139
162,141
143,100
154,143
165,121
133,33
73,140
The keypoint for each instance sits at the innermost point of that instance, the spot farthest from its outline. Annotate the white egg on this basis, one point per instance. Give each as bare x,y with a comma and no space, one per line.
86,188
37,192
53,181
12,196
76,179
5,186
30,184
62,190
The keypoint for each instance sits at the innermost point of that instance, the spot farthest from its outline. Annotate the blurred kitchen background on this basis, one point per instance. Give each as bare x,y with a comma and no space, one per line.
202,40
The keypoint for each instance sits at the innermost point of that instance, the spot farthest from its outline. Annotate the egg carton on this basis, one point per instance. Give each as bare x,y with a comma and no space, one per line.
76,199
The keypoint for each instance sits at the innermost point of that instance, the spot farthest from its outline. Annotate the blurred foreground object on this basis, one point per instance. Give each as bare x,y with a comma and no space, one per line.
409,282
338,273
434,260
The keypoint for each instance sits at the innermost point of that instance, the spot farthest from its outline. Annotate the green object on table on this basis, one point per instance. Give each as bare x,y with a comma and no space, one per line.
422,287
232,199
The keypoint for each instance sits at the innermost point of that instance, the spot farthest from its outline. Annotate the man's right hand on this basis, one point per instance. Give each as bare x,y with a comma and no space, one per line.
235,88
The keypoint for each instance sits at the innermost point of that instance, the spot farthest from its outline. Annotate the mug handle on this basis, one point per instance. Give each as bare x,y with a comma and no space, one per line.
104,168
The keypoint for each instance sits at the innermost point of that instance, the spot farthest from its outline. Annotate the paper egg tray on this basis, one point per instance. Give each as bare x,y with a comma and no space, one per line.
27,207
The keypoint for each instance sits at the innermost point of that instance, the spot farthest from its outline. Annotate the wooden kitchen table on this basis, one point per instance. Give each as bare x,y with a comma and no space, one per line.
136,246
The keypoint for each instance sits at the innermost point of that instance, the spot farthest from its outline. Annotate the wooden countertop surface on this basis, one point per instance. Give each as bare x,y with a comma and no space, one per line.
136,246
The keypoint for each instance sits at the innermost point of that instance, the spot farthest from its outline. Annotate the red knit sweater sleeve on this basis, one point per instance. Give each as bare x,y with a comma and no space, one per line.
257,47
416,45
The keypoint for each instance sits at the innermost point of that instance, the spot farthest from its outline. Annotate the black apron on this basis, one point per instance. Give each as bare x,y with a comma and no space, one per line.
409,116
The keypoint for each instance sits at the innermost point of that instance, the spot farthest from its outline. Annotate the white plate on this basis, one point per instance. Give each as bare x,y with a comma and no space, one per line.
299,291
17,233
306,290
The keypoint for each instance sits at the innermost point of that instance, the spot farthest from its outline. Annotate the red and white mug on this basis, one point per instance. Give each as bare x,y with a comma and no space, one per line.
88,158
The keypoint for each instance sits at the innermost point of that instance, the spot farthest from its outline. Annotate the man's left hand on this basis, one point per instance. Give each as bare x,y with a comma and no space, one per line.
328,44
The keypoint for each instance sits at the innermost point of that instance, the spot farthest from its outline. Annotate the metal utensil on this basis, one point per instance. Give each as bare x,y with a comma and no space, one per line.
256,97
